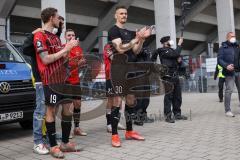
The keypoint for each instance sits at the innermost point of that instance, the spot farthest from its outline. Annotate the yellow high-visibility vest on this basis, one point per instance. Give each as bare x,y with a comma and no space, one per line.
33,79
220,70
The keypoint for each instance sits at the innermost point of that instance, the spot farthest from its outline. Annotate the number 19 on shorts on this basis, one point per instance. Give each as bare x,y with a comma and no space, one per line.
53,98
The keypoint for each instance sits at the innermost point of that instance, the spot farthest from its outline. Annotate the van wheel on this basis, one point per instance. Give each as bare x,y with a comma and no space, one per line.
28,124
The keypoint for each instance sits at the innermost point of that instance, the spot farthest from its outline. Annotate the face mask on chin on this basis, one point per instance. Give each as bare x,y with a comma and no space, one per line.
233,40
55,30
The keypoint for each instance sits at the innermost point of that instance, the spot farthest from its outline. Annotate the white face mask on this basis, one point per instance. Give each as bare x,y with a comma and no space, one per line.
232,40
55,30
171,42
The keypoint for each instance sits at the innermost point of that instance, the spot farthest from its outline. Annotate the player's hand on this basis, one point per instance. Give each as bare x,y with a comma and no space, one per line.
144,33
38,30
140,33
134,41
72,43
147,32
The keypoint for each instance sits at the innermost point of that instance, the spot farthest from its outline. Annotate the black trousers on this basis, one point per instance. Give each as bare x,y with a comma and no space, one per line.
237,82
142,104
173,98
221,82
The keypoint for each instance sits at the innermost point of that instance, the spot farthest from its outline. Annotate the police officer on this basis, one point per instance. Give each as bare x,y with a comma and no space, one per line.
171,58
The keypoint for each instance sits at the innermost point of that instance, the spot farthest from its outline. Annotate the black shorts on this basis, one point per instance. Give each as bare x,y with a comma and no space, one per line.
76,95
51,98
73,97
109,88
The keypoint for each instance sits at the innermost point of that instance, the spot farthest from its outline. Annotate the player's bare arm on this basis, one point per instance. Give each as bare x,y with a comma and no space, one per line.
50,58
141,36
121,48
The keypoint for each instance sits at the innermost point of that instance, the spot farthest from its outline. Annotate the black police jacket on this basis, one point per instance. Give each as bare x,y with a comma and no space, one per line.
168,57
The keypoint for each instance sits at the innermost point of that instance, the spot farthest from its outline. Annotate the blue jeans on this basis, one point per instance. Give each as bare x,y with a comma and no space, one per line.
38,114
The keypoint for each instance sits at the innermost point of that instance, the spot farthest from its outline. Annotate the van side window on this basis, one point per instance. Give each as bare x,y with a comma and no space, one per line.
5,54
8,54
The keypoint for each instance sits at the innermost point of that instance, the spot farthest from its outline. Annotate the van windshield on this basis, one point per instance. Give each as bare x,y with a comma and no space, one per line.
8,53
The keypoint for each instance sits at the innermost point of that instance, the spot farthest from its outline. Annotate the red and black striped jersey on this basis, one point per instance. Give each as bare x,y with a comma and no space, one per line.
53,73
75,55
107,52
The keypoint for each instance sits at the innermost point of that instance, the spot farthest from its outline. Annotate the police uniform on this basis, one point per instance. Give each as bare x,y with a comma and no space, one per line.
168,56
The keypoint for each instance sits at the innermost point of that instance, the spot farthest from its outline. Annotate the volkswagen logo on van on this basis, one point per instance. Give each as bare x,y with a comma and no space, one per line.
4,87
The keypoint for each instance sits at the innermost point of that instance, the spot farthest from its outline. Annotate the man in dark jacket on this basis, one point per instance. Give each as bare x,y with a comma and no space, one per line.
143,102
226,55
39,112
170,57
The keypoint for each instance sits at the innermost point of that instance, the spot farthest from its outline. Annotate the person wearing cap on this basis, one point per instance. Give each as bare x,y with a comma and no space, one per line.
171,58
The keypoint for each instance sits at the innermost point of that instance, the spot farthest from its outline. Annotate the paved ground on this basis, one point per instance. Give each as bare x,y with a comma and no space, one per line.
208,135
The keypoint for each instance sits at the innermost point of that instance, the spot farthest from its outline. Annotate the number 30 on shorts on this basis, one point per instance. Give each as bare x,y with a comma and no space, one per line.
53,98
